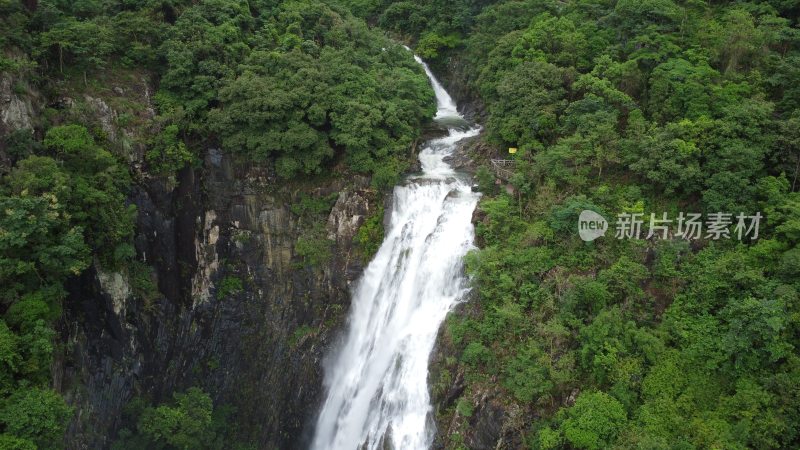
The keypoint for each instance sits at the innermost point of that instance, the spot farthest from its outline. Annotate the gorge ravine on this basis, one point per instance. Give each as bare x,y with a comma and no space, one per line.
376,381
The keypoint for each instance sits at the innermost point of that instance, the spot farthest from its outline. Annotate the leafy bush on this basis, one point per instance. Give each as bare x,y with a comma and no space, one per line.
525,376
464,407
188,421
430,44
143,282
476,354
229,286
310,207
370,234
168,153
594,421
36,415
314,247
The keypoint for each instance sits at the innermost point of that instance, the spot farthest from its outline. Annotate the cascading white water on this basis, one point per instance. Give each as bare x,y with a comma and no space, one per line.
377,391
445,106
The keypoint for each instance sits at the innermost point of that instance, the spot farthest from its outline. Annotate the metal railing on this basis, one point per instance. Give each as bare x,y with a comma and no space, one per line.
503,168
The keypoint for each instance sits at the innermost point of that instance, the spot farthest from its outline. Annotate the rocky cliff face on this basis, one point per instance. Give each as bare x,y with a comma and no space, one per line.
484,421
237,310
457,77
17,103
258,349
16,107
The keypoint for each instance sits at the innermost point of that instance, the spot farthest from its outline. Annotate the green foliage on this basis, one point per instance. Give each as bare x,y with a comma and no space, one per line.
314,248
529,99
616,106
485,179
38,246
297,84
558,40
84,44
188,421
299,334
39,250
168,154
370,234
20,143
143,282
35,415
309,207
185,425
547,439
464,407
57,211
367,97
526,376
229,286
431,44
594,421
202,50
637,106
476,354
10,442
85,183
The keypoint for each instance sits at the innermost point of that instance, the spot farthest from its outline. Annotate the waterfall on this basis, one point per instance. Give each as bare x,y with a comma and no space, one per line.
377,390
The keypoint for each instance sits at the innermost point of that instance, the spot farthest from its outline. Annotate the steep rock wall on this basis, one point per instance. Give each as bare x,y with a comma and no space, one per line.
258,349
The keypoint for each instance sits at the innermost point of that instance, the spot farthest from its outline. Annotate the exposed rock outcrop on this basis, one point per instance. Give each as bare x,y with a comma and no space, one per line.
16,109
456,76
247,348
257,349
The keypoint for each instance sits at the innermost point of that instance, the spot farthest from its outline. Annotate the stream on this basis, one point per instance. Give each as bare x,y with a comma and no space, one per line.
376,382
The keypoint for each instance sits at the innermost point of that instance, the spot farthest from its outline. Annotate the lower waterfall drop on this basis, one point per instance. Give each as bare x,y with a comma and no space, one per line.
377,390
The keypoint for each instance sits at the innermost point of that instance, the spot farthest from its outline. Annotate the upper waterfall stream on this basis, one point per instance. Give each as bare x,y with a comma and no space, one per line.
376,384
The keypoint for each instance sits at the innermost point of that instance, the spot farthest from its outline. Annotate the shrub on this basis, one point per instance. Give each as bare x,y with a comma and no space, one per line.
594,421
229,286
370,235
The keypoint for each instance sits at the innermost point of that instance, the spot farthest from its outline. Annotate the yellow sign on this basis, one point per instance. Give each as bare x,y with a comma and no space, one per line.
512,150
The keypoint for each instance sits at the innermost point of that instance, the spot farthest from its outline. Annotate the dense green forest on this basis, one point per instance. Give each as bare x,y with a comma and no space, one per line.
301,86
616,106
637,107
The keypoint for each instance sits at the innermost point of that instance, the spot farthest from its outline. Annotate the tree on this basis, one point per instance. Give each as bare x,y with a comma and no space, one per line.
202,50
755,333
86,44
594,421
90,188
295,101
185,425
168,153
680,89
38,415
530,97
526,376
39,248
557,40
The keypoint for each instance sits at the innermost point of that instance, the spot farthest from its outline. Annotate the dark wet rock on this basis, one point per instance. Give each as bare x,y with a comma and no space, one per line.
455,75
222,221
258,351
